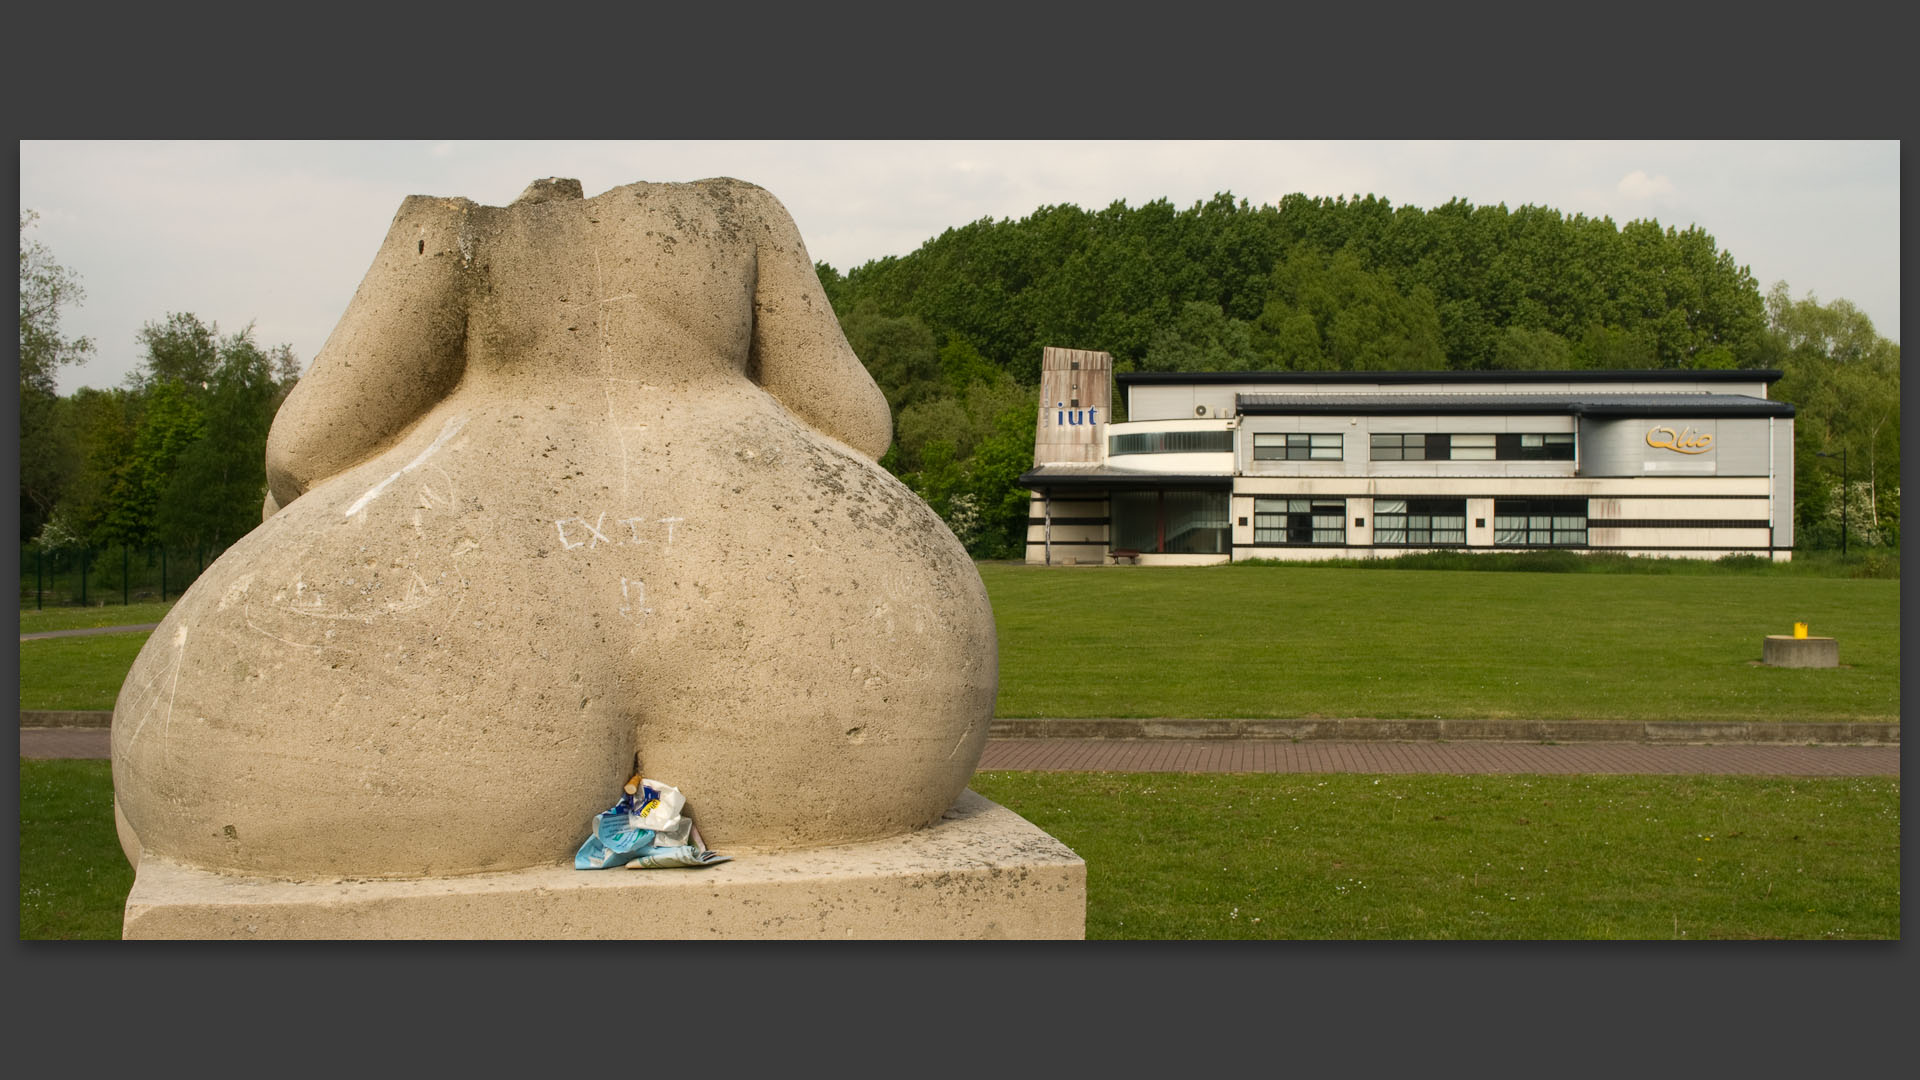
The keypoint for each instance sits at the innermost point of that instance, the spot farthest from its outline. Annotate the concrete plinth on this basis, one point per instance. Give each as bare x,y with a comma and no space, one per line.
981,872
1782,650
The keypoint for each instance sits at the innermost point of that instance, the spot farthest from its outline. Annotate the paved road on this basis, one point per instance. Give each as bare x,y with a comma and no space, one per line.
1217,755
89,631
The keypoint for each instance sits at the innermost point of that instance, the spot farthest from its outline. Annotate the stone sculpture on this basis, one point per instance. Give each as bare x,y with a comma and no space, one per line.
573,478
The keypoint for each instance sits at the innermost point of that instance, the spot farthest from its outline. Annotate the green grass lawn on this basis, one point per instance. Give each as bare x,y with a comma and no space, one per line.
1173,856
81,618
1291,641
1184,856
76,672
74,879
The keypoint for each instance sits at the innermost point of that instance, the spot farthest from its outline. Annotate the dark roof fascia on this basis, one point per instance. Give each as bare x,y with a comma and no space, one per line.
1388,378
1035,480
1348,407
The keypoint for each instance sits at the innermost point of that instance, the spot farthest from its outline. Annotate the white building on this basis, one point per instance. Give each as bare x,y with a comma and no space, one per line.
1213,467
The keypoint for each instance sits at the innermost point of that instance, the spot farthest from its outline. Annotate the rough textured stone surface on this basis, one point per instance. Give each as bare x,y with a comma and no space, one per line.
982,872
1781,650
573,478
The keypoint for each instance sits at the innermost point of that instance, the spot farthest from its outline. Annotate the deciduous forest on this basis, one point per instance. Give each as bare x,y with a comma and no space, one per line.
952,333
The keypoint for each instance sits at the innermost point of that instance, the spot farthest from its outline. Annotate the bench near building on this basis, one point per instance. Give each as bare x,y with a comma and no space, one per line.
1212,467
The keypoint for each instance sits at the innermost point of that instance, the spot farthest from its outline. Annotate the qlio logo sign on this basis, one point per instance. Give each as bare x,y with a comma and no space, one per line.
1684,441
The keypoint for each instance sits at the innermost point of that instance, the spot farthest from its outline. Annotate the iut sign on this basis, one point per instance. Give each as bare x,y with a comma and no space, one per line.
1065,417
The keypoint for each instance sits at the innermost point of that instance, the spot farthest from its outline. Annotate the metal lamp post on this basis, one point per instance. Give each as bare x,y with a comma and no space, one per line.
1842,455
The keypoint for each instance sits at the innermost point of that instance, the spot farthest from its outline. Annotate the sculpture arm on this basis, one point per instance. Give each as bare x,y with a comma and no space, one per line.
799,354
396,351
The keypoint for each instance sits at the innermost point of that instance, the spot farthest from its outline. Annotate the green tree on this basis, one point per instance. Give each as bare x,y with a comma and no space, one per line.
898,352
1203,337
49,452
182,350
1360,321
1521,349
171,421
46,287
1843,379
219,479
104,423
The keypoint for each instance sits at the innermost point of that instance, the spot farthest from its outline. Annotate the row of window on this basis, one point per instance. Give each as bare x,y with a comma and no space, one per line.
1422,522
1483,446
1170,442
1331,446
1197,522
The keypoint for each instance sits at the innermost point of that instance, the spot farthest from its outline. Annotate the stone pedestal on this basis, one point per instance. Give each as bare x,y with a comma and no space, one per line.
1782,650
981,872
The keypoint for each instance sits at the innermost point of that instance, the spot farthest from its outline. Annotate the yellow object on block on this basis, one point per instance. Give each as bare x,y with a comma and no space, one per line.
1799,629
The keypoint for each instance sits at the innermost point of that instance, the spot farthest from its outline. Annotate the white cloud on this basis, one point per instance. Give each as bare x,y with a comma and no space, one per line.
1638,185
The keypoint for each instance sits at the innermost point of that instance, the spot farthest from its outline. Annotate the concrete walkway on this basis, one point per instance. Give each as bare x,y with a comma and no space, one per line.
1272,756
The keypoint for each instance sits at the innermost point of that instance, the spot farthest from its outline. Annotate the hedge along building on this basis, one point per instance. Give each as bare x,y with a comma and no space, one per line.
1212,467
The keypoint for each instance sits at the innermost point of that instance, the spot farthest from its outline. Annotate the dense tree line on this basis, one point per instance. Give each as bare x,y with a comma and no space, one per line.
953,333
1337,284
1844,382
175,457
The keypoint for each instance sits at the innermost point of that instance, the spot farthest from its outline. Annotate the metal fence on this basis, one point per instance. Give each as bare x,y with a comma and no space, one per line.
114,574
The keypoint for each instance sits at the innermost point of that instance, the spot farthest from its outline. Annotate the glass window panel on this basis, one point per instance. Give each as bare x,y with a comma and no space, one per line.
1136,520
1389,506
1196,522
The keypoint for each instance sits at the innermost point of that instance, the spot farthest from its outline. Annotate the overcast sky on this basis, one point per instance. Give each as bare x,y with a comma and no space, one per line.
279,233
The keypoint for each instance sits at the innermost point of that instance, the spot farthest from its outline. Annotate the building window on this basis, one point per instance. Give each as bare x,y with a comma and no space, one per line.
1397,447
1478,447
1521,447
1472,447
1419,522
1170,442
1173,521
1540,522
1299,521
1298,446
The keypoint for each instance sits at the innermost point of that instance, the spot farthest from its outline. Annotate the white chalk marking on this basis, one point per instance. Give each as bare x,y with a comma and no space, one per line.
670,523
598,536
447,431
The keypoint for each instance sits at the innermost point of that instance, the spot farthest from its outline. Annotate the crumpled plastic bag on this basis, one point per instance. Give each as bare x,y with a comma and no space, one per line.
676,856
645,829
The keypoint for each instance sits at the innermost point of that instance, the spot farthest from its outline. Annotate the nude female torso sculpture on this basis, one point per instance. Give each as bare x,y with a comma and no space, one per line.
572,479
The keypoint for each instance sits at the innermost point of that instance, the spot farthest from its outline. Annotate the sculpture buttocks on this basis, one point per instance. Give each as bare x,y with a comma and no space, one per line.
572,478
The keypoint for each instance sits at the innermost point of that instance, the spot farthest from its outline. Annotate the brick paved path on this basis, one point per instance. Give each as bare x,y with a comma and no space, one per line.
1250,755
1245,755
